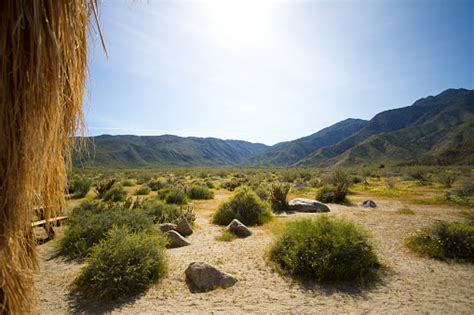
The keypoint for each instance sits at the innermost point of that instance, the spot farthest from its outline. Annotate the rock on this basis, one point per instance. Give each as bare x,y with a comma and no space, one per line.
238,228
184,228
165,227
307,205
204,277
176,240
368,204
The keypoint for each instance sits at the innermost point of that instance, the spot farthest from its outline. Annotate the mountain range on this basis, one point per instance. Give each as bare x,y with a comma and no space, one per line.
435,130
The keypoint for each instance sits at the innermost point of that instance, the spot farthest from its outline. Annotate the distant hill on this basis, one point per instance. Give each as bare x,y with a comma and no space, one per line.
288,153
141,151
434,130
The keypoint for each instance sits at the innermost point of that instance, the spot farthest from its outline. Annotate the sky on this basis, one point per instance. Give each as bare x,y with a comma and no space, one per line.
269,71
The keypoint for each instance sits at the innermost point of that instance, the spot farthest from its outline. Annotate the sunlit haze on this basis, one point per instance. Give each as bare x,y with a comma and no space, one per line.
268,71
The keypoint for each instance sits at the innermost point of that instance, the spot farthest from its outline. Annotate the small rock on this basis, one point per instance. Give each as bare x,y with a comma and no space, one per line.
165,227
184,228
176,240
205,277
238,228
307,205
369,204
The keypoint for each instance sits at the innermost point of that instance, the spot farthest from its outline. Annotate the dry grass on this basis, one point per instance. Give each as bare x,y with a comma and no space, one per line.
42,74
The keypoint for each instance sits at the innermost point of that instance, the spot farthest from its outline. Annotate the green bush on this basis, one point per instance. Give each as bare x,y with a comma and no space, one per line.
199,192
444,240
115,194
143,191
176,196
81,186
123,264
328,194
103,186
156,184
89,224
324,249
245,206
168,213
129,182
447,179
278,195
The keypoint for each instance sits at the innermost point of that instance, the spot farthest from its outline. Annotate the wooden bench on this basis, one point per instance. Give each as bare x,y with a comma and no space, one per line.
52,222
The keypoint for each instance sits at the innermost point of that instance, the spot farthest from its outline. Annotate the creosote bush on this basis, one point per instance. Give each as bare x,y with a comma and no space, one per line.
103,186
89,224
123,264
128,182
199,192
115,194
81,186
168,213
337,190
278,197
444,240
245,206
142,191
177,196
324,249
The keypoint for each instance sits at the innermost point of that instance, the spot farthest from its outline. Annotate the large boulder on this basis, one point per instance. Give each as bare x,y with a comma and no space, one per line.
238,228
165,227
184,228
205,277
369,204
176,240
307,205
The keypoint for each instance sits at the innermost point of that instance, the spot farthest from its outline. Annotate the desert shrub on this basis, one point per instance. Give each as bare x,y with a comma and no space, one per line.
329,194
143,190
262,192
115,194
324,249
128,182
245,206
231,184
419,175
123,264
80,186
390,183
103,186
356,180
210,184
161,194
446,179
466,189
89,224
199,192
278,195
156,184
168,213
444,240
177,196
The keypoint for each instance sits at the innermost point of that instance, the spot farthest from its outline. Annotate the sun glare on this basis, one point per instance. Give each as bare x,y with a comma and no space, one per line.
240,23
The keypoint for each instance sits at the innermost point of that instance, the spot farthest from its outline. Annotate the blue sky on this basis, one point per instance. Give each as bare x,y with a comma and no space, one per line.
269,71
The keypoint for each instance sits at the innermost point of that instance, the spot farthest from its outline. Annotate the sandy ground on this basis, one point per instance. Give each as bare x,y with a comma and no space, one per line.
410,284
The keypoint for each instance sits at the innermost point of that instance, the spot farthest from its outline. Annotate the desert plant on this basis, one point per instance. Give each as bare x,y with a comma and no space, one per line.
177,196
168,213
447,179
465,189
329,194
143,190
444,240
81,186
278,197
123,264
88,224
128,182
226,236
324,249
390,183
103,186
419,175
245,206
338,188
199,192
156,184
115,194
